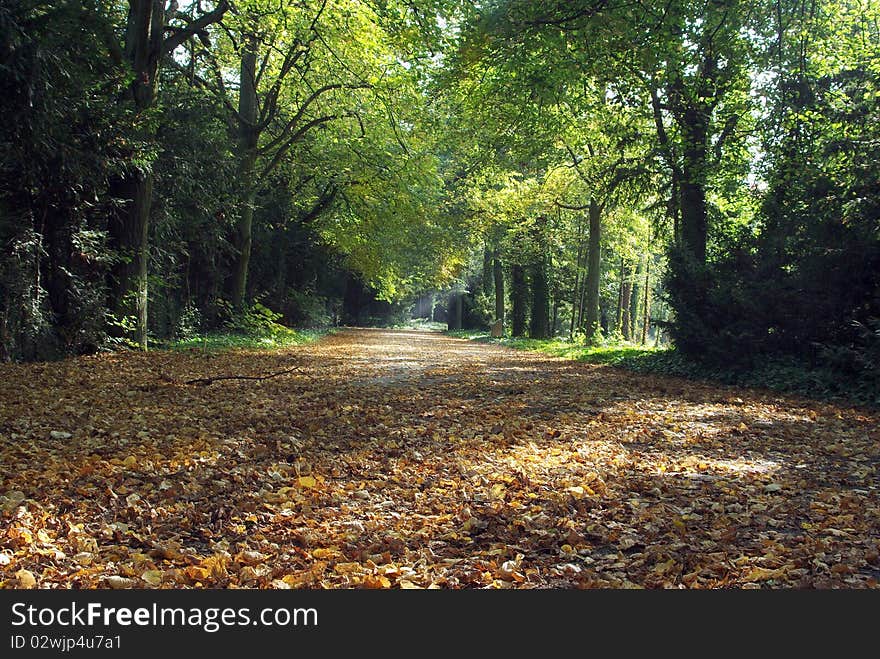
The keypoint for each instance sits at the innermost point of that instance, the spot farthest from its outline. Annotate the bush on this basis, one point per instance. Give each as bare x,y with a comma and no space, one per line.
255,320
190,323
306,309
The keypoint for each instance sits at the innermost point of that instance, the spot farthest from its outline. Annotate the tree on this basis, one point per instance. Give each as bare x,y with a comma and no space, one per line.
152,32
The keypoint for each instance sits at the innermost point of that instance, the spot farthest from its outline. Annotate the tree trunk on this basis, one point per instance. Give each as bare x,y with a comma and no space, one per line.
646,302
594,267
634,302
248,137
129,235
576,306
625,295
498,275
518,299
554,316
692,187
129,228
539,327
454,310
488,288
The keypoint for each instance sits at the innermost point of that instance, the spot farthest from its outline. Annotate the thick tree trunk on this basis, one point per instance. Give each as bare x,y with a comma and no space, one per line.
518,299
692,187
248,138
539,326
454,310
129,235
129,229
594,267
498,274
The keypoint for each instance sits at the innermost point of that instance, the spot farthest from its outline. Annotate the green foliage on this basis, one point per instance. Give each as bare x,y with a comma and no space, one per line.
254,320
190,323
307,309
60,143
222,341
803,280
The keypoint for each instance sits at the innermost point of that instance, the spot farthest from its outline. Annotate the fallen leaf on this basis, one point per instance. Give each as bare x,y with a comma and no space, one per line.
152,577
26,579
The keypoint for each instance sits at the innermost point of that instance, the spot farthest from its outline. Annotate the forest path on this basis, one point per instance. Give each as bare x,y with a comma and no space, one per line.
411,459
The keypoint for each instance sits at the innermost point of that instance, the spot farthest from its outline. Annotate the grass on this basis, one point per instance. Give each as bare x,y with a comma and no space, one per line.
280,337
780,374
612,353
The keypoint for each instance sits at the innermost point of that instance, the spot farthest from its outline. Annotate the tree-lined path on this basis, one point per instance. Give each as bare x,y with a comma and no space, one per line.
410,459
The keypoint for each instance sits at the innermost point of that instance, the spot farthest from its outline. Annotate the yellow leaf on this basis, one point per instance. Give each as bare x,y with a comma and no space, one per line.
130,462
406,584
307,481
376,581
762,574
323,552
347,568
292,580
497,491
197,573
216,565
152,577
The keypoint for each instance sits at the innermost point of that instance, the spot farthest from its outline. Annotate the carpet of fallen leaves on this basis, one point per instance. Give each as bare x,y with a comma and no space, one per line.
412,460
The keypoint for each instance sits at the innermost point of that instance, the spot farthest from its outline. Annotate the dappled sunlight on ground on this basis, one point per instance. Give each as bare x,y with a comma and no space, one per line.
409,459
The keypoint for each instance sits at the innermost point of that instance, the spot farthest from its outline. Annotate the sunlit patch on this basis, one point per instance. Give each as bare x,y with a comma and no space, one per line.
747,466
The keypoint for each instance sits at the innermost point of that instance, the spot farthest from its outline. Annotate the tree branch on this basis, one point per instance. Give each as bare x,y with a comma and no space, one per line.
182,34
206,381
298,135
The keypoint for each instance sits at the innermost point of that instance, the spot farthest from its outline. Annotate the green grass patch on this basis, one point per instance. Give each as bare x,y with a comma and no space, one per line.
282,337
612,353
780,374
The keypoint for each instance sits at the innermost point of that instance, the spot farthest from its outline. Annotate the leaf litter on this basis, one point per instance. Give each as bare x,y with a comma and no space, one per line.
379,459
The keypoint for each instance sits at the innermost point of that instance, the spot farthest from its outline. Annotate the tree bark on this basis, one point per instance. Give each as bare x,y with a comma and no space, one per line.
539,326
554,315
624,300
518,299
488,288
594,266
498,274
692,187
144,46
248,137
646,301
576,292
130,227
129,234
454,310
635,298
